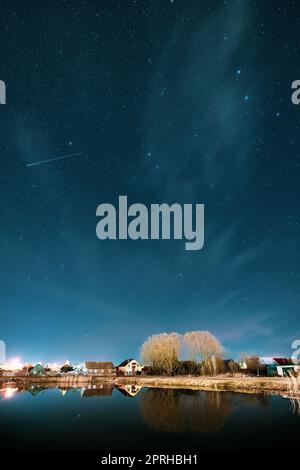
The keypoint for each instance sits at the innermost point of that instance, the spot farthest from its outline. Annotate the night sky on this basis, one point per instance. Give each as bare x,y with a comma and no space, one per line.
168,101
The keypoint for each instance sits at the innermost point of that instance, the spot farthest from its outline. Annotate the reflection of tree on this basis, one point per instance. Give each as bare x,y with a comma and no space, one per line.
256,399
162,410
178,410
209,411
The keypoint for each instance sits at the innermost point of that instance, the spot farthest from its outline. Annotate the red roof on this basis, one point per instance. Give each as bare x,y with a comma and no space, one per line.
281,361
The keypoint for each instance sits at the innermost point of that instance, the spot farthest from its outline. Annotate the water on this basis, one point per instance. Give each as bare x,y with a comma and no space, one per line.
134,418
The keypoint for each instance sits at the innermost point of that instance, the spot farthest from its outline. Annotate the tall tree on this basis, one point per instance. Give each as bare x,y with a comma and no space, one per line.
161,352
204,348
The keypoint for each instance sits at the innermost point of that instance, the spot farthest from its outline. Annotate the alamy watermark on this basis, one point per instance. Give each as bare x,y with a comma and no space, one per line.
2,92
161,221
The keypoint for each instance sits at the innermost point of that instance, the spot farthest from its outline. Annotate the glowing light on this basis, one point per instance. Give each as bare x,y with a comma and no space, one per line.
13,364
8,392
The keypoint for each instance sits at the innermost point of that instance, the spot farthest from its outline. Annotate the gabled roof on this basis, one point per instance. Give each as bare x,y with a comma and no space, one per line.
34,390
124,363
282,361
99,365
275,361
38,369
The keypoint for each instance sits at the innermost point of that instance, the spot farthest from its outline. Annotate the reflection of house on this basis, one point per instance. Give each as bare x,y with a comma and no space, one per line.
129,367
129,390
100,368
104,391
34,390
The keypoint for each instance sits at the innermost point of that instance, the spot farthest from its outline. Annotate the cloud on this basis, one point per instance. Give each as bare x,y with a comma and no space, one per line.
255,325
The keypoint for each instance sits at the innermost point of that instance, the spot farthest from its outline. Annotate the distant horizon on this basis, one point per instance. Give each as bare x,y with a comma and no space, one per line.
98,357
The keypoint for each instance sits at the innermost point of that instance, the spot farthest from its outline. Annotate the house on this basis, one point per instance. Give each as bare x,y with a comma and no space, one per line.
129,367
271,360
288,370
10,373
80,369
100,368
272,364
66,368
38,370
27,368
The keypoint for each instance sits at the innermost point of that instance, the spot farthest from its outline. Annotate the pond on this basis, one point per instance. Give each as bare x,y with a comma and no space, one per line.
132,418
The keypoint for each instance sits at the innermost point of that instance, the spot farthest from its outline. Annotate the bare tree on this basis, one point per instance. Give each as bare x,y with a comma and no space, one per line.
253,364
233,367
203,347
161,352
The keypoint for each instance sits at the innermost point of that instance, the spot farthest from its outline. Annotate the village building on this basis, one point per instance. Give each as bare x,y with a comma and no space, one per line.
38,370
129,367
100,368
272,364
288,370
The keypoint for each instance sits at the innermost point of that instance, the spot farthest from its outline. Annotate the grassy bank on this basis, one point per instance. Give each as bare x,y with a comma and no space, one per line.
269,385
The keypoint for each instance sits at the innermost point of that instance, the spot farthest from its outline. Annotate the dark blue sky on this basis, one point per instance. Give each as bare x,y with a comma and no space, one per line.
184,101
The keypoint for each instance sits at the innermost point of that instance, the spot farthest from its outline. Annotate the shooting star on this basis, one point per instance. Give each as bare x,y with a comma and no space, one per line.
56,158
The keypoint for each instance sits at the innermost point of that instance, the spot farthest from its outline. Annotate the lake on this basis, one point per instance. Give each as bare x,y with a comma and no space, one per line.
133,418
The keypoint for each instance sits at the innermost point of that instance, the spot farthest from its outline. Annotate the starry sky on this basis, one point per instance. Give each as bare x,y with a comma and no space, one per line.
167,101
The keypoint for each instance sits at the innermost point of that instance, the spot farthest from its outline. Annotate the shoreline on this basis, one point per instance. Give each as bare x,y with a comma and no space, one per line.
266,385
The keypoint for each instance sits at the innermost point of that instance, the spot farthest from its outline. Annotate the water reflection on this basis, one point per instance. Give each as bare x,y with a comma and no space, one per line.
98,392
178,410
129,390
34,390
68,418
166,409
8,392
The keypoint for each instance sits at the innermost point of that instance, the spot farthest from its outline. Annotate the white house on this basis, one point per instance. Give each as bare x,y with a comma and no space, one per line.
129,367
286,370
